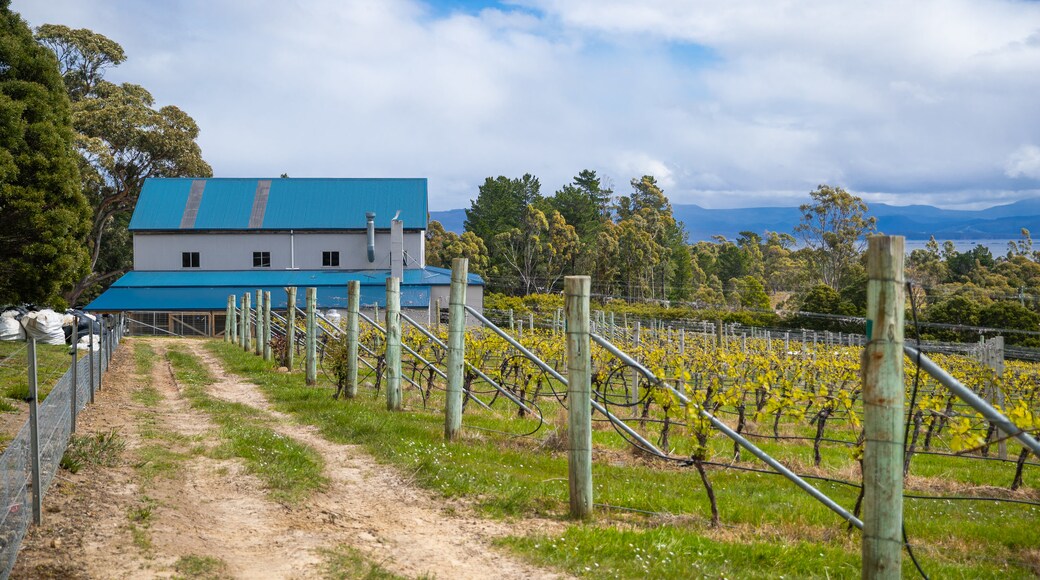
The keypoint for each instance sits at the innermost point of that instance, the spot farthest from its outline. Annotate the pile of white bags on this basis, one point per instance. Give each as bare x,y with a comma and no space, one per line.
10,328
45,326
84,343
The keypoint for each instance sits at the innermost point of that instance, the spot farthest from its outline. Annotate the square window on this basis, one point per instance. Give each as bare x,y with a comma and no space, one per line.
189,259
330,259
261,259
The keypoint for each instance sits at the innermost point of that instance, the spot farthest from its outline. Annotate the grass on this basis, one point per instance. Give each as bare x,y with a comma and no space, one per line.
764,517
289,469
144,360
347,563
103,448
51,363
140,520
201,567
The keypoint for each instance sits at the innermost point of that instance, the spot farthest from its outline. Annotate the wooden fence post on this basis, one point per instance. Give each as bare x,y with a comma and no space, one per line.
267,326
353,306
290,327
247,329
312,337
258,346
234,319
393,344
883,394
579,395
456,348
227,317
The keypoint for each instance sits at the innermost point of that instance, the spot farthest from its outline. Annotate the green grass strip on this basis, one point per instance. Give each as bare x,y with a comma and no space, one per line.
289,469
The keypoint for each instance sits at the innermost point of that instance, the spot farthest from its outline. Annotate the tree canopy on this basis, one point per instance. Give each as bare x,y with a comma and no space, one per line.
122,140
45,215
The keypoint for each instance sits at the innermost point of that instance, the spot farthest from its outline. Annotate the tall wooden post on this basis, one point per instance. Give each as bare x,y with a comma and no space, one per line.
353,306
312,337
290,327
258,343
267,326
393,344
883,394
579,395
247,328
456,348
228,317
234,319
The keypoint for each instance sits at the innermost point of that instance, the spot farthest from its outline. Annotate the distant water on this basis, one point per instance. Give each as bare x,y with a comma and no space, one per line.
996,247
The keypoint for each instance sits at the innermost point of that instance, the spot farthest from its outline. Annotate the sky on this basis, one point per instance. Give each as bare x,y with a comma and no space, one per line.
726,103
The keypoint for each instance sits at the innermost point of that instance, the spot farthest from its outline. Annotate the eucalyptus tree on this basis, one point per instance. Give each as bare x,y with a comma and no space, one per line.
834,228
122,139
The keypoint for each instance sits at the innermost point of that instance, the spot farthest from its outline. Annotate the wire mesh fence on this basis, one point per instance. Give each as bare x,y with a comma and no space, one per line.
55,420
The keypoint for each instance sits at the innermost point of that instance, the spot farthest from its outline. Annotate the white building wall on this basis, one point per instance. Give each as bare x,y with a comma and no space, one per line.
234,251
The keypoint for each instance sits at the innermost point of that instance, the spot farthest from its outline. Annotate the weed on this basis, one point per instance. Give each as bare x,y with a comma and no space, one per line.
201,567
103,449
346,562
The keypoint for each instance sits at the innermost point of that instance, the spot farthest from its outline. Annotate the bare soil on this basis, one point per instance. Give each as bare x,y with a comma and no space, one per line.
122,522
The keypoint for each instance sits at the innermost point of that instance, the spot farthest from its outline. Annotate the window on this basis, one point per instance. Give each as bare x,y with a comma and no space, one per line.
261,259
189,259
330,259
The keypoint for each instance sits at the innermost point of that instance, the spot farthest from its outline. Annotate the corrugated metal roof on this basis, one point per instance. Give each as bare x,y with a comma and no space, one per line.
292,203
202,290
300,278
204,299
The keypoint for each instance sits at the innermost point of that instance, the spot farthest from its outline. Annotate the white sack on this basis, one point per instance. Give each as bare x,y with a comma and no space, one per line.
84,343
10,328
44,326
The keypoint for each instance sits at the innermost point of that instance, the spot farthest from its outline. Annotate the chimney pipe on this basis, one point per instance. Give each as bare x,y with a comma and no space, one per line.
397,249
371,217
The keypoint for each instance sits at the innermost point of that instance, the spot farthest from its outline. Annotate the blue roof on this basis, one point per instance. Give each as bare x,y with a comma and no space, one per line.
291,203
208,290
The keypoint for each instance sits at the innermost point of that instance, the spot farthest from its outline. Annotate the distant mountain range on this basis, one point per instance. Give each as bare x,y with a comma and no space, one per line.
916,222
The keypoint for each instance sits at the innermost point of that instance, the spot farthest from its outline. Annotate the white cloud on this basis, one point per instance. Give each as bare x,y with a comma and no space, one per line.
1024,162
904,100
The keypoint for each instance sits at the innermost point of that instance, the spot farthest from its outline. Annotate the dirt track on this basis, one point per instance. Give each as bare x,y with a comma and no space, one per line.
121,523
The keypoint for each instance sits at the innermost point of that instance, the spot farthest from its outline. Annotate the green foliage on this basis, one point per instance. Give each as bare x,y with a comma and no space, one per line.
122,140
752,294
538,250
1007,314
500,205
45,215
443,246
822,299
834,227
103,448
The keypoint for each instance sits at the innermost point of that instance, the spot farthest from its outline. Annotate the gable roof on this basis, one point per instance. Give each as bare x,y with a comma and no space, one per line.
252,204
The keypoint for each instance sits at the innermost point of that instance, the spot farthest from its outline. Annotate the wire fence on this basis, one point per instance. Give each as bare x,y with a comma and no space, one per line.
55,427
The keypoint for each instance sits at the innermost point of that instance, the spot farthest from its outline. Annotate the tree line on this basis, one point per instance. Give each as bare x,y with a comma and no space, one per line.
524,242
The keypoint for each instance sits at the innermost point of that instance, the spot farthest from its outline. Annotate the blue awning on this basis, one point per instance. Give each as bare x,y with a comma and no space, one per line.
207,291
